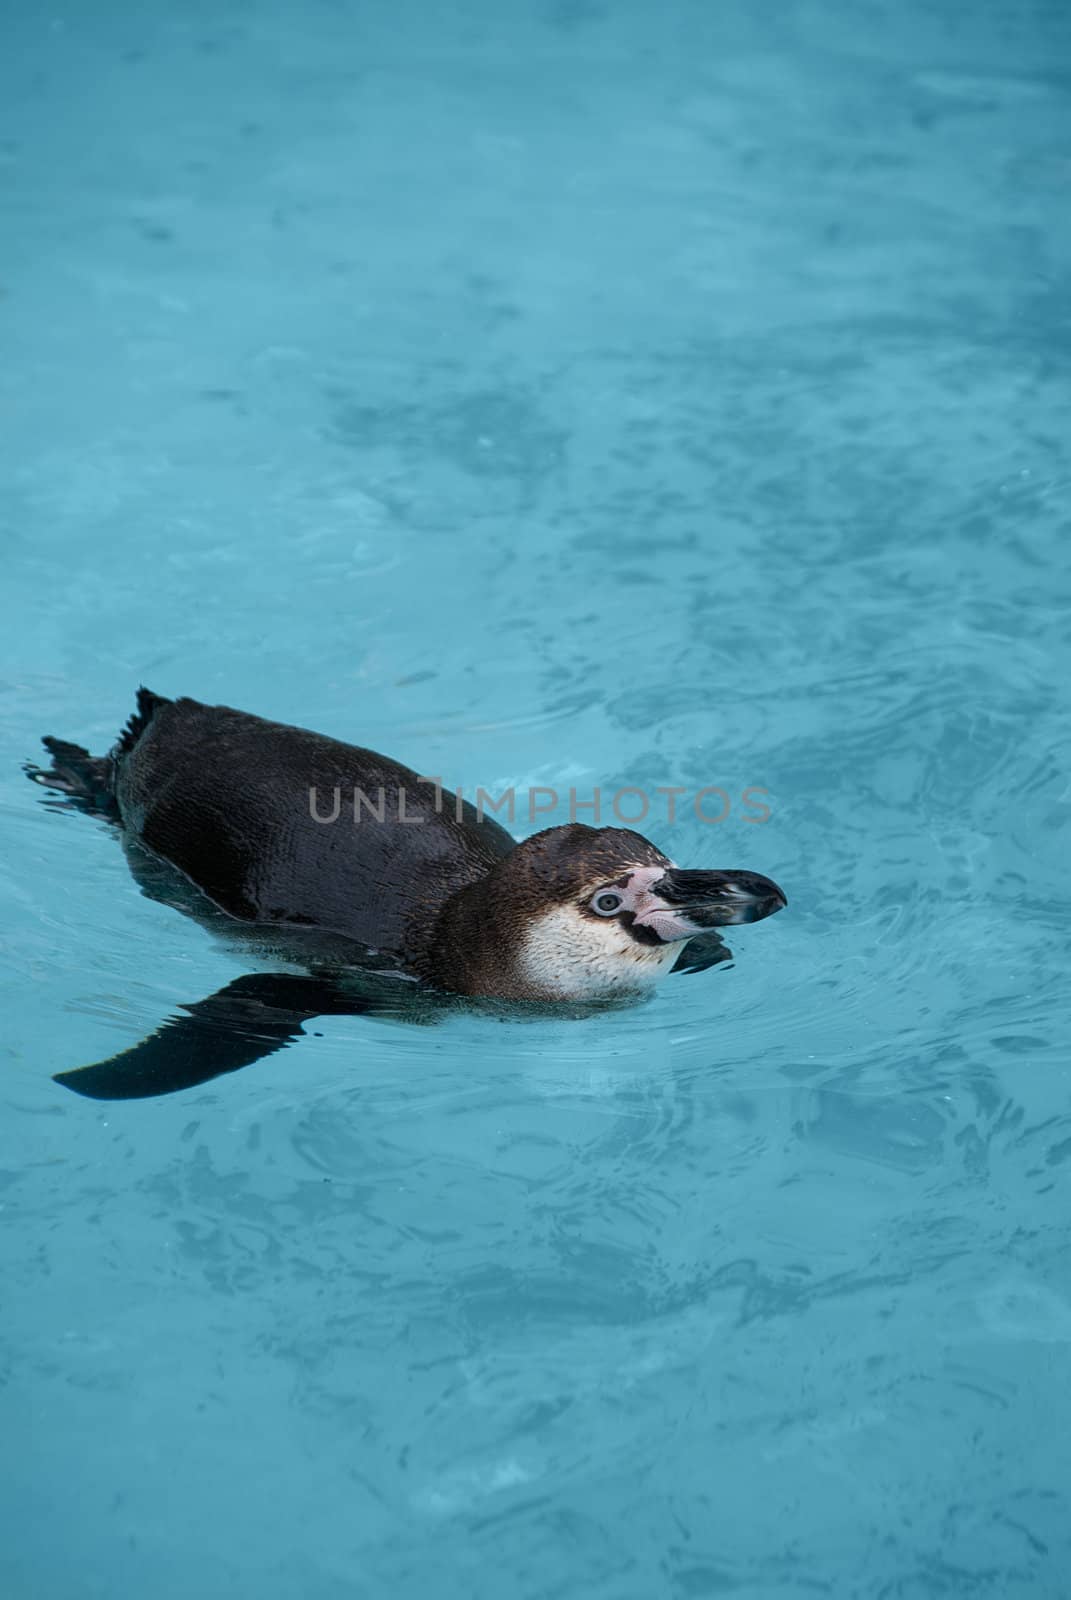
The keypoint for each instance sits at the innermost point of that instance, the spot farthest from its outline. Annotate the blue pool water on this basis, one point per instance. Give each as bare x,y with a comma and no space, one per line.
565,393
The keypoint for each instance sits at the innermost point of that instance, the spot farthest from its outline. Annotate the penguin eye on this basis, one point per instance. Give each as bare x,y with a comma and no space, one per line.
606,904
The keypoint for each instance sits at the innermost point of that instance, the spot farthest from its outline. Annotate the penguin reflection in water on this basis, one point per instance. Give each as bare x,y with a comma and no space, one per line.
213,807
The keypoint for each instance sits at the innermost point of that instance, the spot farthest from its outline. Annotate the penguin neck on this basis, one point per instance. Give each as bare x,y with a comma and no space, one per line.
475,944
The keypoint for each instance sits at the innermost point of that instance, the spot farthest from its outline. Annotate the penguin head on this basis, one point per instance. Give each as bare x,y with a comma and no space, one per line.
584,914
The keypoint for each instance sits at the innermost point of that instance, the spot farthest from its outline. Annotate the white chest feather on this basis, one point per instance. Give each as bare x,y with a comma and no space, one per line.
568,956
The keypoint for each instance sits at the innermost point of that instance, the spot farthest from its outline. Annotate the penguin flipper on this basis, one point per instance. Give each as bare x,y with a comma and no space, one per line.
241,1023
705,950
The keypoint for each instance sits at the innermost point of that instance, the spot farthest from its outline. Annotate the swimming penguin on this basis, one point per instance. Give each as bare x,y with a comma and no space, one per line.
359,871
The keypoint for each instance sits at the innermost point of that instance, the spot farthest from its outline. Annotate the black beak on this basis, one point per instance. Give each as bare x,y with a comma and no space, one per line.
718,899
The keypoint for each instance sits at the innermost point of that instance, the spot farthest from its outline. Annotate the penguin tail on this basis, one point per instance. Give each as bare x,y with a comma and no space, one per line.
85,780
88,782
148,705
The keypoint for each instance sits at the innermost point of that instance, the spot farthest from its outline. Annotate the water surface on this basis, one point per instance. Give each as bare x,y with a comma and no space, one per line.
566,394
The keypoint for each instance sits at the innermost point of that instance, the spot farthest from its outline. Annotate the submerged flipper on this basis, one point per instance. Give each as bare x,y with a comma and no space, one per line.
251,1018
705,950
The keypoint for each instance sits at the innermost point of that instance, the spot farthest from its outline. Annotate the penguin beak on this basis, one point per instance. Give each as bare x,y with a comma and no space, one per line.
681,903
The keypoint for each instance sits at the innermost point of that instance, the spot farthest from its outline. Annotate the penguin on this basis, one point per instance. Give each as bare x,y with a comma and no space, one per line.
382,890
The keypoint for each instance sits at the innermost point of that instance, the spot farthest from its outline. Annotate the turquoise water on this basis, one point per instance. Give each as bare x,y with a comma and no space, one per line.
567,394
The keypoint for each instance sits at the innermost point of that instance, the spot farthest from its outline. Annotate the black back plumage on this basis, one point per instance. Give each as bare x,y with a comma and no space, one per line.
229,799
